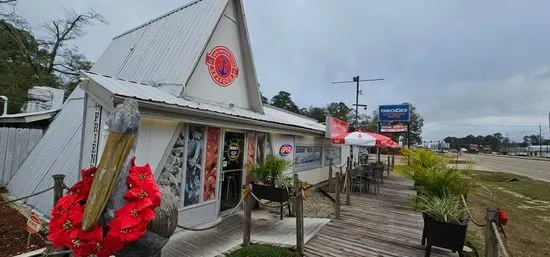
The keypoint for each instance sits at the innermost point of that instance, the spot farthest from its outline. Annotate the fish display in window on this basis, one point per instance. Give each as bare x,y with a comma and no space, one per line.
211,170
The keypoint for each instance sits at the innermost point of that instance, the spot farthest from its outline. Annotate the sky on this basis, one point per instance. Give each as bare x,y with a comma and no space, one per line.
469,67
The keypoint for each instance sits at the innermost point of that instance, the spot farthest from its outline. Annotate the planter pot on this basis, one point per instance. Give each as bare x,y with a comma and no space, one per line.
444,235
273,194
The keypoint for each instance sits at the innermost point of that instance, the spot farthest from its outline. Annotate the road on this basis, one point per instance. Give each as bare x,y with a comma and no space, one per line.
537,169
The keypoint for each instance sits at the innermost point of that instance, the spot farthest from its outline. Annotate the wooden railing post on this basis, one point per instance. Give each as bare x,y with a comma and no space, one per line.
298,209
330,176
389,167
58,186
348,187
491,248
248,202
337,200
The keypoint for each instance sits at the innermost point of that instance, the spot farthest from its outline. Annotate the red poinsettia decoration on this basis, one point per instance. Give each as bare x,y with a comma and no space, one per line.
128,225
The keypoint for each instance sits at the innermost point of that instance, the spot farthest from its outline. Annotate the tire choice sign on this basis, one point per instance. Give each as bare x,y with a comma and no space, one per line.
400,112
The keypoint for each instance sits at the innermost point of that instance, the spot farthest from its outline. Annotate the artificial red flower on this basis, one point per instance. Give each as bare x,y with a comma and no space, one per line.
109,247
129,224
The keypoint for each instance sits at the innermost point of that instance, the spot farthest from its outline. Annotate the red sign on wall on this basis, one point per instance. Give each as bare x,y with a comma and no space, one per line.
335,127
222,66
394,128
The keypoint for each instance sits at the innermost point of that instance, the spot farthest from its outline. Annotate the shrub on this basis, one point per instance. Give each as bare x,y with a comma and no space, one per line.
270,170
432,173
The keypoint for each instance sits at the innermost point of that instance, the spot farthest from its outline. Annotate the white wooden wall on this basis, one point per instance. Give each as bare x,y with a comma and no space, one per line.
15,145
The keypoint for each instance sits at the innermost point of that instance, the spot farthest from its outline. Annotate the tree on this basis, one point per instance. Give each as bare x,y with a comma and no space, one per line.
16,72
339,110
415,126
283,101
61,59
316,113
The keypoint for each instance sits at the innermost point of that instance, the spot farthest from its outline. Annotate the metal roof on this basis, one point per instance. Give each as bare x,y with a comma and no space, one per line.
148,93
164,50
57,153
27,117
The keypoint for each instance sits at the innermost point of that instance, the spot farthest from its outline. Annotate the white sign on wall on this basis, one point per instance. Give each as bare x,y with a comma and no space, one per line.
95,135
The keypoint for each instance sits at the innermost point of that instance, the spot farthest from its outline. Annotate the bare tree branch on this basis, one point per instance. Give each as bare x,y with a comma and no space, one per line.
66,72
70,28
7,1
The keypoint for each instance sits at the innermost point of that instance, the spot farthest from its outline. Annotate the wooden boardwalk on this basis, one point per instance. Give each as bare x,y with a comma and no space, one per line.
375,225
266,228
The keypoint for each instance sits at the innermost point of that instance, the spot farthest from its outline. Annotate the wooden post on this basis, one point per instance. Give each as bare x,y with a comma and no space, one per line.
348,186
298,209
389,167
330,176
491,248
248,202
337,201
58,186
392,161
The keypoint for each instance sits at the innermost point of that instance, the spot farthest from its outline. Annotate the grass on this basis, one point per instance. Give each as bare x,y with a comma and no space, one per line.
527,202
259,250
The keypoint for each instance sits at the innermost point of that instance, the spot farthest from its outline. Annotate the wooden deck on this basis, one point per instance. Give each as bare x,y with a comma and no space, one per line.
375,225
266,228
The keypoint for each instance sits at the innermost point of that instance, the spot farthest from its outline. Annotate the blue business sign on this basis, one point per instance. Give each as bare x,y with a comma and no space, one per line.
400,112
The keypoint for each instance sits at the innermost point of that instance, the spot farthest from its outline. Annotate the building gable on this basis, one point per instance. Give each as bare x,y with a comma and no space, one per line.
224,73
163,51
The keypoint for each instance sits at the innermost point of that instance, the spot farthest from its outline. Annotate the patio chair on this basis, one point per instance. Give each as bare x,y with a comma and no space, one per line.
373,175
357,179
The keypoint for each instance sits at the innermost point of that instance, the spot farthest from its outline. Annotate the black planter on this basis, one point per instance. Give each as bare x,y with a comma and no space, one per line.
271,193
444,235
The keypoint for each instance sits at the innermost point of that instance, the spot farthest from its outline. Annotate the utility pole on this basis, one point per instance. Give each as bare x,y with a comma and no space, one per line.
508,142
356,79
540,140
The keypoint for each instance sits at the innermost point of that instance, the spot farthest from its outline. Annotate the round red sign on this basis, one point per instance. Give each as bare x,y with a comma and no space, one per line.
222,66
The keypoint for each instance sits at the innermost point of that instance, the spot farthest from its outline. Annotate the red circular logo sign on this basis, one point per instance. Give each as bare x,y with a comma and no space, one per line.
222,66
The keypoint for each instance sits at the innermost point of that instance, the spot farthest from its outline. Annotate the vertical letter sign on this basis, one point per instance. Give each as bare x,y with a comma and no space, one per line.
400,112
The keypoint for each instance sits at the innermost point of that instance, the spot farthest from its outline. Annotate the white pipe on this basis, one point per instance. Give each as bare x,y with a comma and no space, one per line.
5,99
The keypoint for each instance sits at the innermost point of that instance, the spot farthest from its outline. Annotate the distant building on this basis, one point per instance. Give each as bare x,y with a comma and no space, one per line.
538,150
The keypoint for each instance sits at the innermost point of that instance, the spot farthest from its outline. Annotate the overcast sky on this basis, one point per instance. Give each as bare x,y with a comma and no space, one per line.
469,66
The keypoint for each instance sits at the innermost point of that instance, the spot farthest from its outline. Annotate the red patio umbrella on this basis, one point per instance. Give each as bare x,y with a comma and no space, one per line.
365,139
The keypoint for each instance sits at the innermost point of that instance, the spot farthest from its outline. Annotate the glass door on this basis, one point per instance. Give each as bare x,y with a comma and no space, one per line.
232,169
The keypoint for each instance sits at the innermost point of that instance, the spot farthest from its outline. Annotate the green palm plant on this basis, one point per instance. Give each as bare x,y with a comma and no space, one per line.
433,175
270,170
419,165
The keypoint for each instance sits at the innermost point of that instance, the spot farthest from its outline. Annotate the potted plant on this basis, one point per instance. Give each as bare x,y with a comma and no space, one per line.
445,222
268,181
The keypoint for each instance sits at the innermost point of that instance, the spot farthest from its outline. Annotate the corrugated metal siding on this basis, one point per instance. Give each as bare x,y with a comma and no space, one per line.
143,92
165,49
56,153
15,146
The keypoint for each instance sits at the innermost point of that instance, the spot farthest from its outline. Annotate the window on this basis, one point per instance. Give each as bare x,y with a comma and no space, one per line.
193,174
307,158
172,173
185,172
334,153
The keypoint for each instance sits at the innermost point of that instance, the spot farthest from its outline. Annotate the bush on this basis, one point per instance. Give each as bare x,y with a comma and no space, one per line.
431,172
269,171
